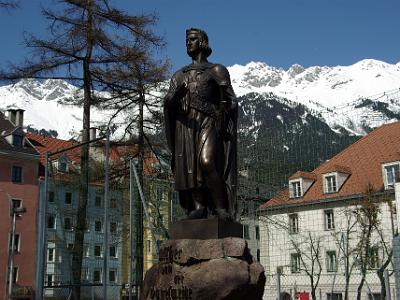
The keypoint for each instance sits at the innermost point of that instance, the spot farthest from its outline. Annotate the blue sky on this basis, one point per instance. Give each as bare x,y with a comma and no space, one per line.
278,32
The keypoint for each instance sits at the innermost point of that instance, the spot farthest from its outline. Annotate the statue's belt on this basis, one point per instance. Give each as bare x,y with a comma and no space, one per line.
203,106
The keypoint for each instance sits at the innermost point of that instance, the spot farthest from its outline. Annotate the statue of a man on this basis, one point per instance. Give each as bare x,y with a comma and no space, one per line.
200,119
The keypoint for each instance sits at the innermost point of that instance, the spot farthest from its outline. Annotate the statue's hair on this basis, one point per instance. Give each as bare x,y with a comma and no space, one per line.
203,40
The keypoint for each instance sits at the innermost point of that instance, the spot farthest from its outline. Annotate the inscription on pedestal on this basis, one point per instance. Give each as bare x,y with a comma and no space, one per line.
176,289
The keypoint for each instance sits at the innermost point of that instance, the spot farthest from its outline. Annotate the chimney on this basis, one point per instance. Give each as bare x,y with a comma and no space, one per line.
92,133
12,116
19,119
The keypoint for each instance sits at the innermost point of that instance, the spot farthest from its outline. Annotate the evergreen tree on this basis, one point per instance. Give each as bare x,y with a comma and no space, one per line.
93,45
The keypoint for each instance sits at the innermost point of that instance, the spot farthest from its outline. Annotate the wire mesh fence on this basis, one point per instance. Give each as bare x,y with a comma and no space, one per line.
326,223
110,216
330,248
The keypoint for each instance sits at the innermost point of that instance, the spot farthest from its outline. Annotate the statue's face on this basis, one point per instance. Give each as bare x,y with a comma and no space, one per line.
193,43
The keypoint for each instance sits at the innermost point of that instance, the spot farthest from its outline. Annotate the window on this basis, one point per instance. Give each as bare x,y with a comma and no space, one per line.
257,233
113,251
51,196
113,203
391,172
112,275
148,243
329,219
51,222
246,232
97,201
373,258
98,226
295,262
279,269
330,184
87,225
15,275
62,166
334,296
70,246
16,174
16,242
258,254
68,198
85,274
97,275
50,255
67,223
86,250
50,280
16,203
296,189
175,197
97,250
18,140
113,227
293,223
331,262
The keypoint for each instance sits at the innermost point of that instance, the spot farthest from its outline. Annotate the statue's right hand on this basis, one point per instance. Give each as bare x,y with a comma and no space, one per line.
176,93
182,90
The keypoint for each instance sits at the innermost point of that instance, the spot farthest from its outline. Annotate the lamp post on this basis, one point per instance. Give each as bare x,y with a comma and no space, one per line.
15,212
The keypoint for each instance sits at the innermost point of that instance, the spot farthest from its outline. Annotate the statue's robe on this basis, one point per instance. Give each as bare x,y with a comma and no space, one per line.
207,109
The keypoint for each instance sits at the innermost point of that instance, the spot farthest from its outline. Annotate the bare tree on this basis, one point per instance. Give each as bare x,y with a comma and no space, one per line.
384,242
347,252
367,218
309,252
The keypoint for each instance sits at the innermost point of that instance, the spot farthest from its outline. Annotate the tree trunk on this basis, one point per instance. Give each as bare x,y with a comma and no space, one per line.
84,176
360,286
139,206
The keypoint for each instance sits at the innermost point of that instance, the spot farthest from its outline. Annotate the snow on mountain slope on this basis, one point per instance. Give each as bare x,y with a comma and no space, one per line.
335,93
46,107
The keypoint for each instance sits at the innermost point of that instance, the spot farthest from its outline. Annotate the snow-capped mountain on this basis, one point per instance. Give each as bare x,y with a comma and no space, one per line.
47,105
328,86
337,93
356,97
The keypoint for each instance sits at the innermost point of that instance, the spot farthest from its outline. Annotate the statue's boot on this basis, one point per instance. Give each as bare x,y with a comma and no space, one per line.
199,213
223,214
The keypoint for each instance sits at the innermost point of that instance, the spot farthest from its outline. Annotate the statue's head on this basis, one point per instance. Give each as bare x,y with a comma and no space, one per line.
202,40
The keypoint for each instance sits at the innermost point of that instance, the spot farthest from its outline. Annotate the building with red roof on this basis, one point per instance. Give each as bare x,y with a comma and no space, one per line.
19,190
304,227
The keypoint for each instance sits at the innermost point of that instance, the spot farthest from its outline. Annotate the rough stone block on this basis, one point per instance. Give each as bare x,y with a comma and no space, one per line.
204,269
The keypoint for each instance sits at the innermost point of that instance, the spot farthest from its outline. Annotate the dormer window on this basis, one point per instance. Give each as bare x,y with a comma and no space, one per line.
335,179
390,173
295,189
17,140
62,166
330,183
299,183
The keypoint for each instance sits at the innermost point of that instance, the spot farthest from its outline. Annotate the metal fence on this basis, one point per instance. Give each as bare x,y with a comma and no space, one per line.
316,251
113,243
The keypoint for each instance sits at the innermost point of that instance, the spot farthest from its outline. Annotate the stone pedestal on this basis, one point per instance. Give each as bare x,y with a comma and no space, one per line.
204,229
211,269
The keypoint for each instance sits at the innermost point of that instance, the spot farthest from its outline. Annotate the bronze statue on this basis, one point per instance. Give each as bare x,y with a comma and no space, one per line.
200,119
